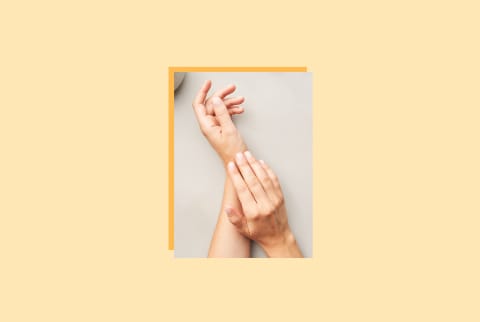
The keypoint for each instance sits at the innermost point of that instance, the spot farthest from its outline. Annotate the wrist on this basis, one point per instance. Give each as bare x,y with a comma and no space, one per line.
284,245
231,156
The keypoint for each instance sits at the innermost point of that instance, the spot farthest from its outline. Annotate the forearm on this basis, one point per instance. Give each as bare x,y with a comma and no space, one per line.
226,240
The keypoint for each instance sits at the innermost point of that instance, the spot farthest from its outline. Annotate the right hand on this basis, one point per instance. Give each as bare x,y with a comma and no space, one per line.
264,217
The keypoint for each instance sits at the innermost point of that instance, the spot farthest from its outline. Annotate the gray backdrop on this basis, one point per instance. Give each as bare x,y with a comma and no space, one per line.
276,126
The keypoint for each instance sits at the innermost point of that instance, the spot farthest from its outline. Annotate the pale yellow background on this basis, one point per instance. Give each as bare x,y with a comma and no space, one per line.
83,175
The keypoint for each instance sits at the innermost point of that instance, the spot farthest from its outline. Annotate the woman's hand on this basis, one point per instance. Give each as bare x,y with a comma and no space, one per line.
264,217
232,103
214,118
215,122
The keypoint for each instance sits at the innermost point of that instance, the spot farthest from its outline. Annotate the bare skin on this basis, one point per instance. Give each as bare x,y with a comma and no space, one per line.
264,217
216,125
253,205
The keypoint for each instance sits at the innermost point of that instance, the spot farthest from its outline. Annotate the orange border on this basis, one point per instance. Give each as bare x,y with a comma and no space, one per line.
238,69
171,123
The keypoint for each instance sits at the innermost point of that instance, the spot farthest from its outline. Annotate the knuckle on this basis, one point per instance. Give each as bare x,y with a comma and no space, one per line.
219,111
242,189
255,215
263,214
265,182
254,234
234,220
268,211
254,184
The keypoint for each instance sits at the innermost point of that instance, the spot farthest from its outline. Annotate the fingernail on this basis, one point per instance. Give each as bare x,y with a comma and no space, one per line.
248,155
261,161
231,165
229,211
239,156
216,100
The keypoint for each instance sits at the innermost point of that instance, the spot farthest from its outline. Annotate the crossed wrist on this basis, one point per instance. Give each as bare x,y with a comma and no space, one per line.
231,157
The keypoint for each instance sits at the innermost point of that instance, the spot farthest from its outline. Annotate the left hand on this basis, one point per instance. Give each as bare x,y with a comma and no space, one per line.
215,121
232,103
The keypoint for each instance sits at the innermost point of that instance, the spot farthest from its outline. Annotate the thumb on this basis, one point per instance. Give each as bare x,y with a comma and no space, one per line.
221,113
234,217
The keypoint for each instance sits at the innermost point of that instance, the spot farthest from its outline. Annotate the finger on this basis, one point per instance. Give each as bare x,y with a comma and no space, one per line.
199,107
221,114
202,93
273,178
262,176
236,219
234,101
229,102
244,195
251,180
205,121
222,93
236,110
